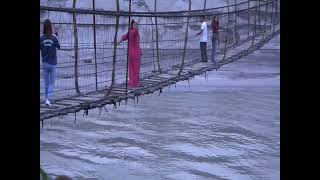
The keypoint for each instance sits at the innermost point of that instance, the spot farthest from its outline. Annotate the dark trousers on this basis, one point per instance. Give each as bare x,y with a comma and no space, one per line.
214,42
203,48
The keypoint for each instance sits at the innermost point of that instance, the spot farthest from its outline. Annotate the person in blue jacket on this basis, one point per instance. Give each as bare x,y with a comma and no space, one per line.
49,43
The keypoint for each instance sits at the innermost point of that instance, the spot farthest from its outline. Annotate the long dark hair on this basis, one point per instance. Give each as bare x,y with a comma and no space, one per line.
47,27
203,17
214,18
131,24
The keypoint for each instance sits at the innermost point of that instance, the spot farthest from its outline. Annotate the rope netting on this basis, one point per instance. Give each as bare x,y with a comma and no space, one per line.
85,63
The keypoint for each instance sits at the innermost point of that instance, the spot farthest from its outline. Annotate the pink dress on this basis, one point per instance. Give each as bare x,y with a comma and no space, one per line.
134,57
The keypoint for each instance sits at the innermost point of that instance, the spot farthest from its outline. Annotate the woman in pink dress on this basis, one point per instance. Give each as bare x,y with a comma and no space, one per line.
134,54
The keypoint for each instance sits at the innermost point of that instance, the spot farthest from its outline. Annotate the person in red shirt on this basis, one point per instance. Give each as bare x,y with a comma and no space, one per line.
215,33
134,54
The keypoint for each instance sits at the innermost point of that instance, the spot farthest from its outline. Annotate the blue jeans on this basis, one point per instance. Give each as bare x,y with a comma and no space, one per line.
49,76
214,42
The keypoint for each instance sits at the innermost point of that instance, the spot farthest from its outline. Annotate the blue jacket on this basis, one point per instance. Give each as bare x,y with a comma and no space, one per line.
48,47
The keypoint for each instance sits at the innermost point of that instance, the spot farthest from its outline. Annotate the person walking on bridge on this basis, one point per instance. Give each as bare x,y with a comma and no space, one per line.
49,43
203,39
134,54
214,39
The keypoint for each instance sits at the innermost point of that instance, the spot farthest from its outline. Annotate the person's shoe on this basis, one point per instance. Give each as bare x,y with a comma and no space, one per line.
48,103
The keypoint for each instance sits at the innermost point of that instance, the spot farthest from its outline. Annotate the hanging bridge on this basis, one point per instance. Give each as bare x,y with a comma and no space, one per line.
92,71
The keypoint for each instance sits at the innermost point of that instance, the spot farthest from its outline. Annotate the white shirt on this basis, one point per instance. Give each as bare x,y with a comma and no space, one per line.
204,34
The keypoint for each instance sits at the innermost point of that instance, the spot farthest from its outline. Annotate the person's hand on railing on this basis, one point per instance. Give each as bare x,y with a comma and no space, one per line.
119,42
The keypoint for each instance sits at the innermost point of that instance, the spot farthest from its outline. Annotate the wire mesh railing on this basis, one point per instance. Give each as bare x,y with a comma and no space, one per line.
87,61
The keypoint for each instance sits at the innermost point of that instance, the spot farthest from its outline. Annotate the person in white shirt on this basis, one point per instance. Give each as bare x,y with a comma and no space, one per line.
203,39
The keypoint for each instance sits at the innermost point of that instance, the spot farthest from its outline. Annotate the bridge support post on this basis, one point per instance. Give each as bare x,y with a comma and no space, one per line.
255,21
75,35
157,35
95,44
275,16
265,20
271,18
226,41
236,21
128,46
228,13
75,118
259,15
152,34
225,48
185,40
248,18
115,48
255,26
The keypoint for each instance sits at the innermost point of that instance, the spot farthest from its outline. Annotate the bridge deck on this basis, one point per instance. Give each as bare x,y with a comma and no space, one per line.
149,84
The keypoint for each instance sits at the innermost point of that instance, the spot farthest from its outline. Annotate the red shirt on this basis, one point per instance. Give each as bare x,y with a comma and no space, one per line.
134,45
215,26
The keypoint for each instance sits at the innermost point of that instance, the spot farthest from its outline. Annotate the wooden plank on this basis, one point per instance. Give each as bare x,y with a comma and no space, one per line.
112,96
142,85
88,98
57,106
100,95
74,103
175,72
189,68
196,67
200,65
52,107
167,76
146,81
152,80
70,102
62,103
46,109
118,92
43,111
158,79
119,89
78,100
147,84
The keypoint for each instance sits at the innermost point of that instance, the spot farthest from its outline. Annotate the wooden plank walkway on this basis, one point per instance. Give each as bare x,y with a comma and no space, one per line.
149,84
